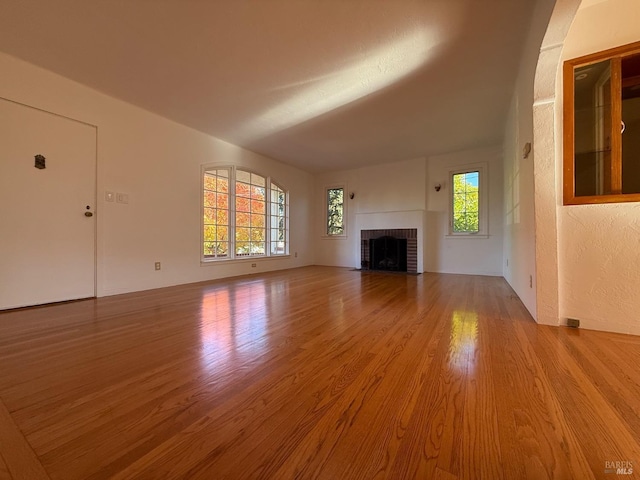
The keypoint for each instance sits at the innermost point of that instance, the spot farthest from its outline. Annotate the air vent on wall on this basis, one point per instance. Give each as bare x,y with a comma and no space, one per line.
573,323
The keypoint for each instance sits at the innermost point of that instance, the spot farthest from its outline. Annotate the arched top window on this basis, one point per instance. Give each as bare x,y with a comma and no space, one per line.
245,214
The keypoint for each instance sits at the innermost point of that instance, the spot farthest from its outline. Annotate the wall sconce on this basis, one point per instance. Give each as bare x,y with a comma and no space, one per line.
437,187
351,195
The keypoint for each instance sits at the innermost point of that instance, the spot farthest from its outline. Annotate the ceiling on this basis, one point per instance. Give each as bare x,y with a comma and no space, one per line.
319,84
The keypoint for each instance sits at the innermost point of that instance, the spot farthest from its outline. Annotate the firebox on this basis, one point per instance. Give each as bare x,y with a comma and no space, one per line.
388,253
393,250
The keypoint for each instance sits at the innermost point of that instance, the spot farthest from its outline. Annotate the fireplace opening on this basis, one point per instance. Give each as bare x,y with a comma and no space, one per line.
388,253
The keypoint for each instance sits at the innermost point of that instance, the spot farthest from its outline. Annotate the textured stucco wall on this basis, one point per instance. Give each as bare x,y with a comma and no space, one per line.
519,252
599,245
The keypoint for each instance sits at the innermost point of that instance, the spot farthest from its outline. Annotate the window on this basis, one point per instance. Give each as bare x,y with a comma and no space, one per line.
335,211
216,213
467,203
251,214
244,215
278,208
602,127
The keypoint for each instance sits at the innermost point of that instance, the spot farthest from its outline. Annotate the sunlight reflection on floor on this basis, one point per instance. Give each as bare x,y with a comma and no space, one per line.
233,324
464,337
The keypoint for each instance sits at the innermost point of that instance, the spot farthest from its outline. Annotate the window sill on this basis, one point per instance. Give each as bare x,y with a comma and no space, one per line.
601,199
207,263
467,235
334,237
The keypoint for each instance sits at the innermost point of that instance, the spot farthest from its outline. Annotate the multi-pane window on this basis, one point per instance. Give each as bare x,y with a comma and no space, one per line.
278,210
251,214
466,202
335,211
245,215
216,213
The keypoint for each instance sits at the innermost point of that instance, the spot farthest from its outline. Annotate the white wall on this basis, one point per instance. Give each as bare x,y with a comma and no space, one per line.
385,196
469,254
519,250
599,245
401,195
157,163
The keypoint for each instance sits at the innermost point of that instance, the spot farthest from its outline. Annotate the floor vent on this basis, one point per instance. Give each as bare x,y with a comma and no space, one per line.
573,323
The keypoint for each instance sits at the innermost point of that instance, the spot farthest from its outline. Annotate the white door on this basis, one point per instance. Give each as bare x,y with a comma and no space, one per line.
47,220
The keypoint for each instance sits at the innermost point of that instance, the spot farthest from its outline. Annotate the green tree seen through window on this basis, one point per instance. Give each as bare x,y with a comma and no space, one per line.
465,202
335,211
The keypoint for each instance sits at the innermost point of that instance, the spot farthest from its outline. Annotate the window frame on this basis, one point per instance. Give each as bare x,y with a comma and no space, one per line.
233,256
230,217
568,178
271,216
326,233
483,216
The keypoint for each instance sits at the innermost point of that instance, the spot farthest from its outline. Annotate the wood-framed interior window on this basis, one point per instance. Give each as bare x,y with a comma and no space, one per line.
602,127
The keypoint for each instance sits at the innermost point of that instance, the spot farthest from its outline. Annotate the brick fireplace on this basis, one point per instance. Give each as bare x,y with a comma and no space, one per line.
389,250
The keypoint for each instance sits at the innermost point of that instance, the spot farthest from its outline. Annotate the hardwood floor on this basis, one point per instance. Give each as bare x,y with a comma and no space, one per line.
314,373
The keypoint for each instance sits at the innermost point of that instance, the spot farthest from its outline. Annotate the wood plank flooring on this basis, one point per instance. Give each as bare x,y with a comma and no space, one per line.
312,373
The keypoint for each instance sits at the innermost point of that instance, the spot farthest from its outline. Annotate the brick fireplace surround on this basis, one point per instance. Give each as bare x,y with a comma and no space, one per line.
410,234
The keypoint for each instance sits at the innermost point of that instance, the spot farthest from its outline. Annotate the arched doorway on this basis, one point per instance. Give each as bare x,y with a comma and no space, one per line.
545,146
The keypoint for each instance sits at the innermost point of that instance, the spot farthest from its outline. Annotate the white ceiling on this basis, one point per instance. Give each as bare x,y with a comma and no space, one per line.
320,84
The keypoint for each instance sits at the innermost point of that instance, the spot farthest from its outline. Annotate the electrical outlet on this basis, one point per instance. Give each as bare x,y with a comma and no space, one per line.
507,262
295,255
158,265
253,265
530,281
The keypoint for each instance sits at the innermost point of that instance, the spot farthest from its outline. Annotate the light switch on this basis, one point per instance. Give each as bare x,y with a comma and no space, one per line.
109,196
